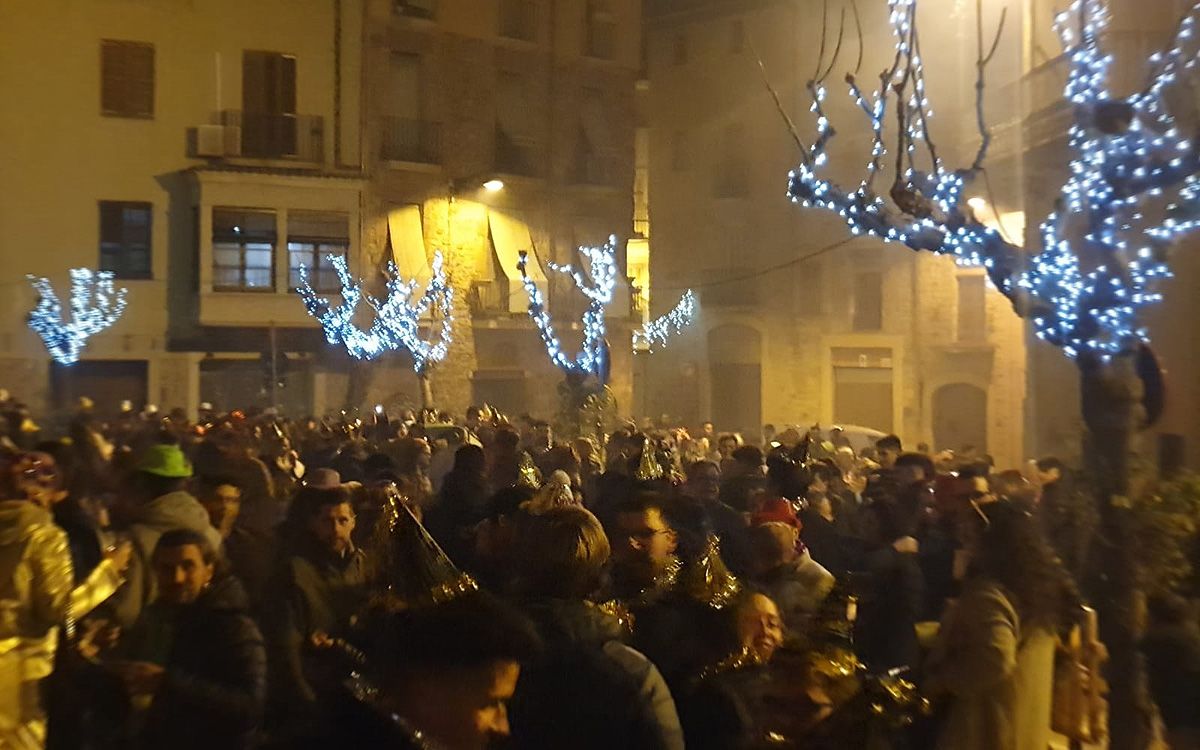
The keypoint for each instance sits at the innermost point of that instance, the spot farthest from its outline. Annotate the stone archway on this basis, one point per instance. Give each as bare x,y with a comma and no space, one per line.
960,417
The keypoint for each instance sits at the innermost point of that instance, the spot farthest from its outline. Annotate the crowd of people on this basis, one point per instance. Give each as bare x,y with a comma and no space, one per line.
247,580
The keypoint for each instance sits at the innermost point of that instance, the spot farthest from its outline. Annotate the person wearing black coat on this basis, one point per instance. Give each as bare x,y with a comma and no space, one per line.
197,653
588,690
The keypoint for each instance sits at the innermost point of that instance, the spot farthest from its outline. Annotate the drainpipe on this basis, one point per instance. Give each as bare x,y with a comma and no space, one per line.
337,83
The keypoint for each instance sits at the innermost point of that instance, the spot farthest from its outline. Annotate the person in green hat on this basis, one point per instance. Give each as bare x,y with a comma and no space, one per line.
158,501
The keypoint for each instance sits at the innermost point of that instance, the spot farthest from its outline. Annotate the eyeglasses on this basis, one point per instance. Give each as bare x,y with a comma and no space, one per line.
39,470
643,537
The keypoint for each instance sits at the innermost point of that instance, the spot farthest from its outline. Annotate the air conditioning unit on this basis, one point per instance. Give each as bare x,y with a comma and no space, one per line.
218,140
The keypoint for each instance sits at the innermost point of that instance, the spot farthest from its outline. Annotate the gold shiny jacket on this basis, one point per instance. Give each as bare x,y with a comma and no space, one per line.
37,594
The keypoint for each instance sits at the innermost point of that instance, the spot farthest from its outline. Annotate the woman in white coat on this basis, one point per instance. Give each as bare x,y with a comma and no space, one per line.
992,666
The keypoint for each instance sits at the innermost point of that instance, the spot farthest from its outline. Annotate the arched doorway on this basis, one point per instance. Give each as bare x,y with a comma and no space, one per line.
735,378
960,417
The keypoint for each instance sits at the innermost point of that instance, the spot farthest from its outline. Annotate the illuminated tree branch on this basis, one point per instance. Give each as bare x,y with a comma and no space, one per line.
658,331
1132,191
396,324
94,307
597,285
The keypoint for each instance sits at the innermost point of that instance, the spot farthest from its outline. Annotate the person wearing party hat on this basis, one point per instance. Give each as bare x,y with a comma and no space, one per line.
436,658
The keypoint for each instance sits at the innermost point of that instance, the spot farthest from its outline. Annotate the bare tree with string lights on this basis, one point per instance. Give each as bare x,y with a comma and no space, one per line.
1131,193
397,321
586,373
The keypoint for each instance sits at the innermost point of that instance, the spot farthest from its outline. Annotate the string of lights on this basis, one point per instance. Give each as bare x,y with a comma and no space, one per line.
661,329
597,285
1133,188
95,306
396,324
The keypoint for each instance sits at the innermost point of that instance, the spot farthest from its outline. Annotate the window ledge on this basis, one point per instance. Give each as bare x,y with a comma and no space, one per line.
413,166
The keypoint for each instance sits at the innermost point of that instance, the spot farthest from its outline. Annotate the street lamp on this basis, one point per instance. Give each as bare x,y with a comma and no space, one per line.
485,182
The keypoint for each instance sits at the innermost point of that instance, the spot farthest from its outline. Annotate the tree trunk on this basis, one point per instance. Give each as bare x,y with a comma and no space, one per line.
426,389
1112,410
358,384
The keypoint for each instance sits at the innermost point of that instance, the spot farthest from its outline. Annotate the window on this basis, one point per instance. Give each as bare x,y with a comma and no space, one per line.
731,178
679,50
314,239
600,30
125,239
243,250
518,19
406,135
679,154
594,163
972,308
516,149
268,104
126,79
868,301
737,36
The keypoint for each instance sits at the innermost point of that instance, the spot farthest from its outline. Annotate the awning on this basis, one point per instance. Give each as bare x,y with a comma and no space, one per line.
510,237
408,245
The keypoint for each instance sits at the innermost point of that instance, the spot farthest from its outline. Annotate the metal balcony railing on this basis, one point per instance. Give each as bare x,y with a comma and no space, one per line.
488,299
406,139
266,135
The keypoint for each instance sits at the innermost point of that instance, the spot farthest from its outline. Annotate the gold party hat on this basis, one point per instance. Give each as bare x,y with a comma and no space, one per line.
528,474
707,580
648,466
406,567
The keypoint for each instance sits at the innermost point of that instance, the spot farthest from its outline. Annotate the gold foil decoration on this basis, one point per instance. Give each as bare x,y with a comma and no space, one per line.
648,467
707,580
406,567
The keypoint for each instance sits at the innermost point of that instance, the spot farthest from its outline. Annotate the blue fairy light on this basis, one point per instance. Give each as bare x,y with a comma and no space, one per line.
662,328
95,306
597,285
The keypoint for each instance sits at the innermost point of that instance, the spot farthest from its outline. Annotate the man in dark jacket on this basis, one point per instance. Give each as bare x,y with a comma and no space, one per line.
196,652
319,589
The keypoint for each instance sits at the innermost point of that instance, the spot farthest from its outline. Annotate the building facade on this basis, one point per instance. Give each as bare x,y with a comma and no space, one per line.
204,151
799,322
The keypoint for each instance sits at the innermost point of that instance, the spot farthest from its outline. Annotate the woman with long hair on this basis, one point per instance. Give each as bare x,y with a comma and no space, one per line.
993,663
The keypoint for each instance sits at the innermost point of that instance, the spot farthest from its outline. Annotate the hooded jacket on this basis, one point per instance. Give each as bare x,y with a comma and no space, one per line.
174,510
214,690
37,594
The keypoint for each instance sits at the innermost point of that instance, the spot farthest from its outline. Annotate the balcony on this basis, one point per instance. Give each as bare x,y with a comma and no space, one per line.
278,135
406,139
595,169
489,298
516,155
